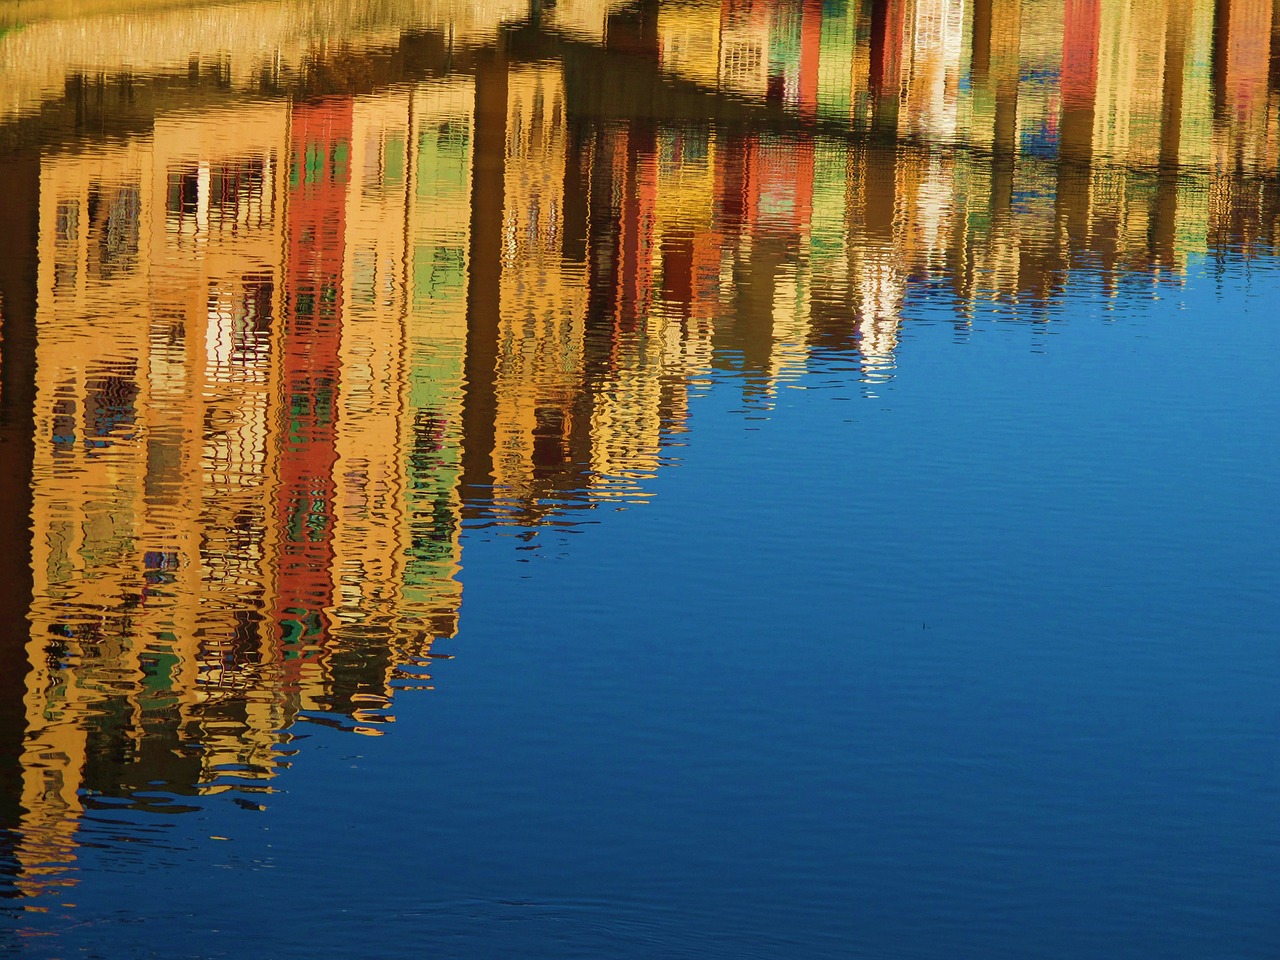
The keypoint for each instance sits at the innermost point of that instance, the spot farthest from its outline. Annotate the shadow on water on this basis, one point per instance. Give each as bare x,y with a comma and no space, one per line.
19,226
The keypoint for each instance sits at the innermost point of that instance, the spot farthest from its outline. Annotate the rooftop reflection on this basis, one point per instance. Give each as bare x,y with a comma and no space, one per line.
283,315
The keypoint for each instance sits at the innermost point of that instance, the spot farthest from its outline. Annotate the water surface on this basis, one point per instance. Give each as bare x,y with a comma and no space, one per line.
653,479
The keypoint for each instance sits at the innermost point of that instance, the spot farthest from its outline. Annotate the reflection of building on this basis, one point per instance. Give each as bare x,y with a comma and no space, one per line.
744,48
540,358
689,39
1242,57
240,46
306,493
584,19
216,231
155,281
227,426
443,133
396,532
1117,79
686,234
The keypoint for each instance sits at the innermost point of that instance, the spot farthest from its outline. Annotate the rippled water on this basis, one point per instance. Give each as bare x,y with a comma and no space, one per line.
790,479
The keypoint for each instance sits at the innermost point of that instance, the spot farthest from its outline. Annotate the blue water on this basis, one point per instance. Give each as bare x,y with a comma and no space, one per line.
641,479
978,661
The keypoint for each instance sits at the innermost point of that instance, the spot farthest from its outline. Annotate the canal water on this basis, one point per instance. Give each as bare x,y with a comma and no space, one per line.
708,479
